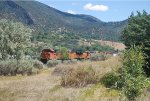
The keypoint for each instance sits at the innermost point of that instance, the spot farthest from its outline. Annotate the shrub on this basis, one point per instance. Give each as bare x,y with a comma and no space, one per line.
73,61
15,38
25,67
38,64
60,69
64,53
8,67
13,67
34,71
132,72
79,77
110,80
97,57
52,63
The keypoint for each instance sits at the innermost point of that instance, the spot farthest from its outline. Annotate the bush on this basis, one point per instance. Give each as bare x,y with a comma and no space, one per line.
73,61
14,40
8,67
110,80
25,67
60,69
64,53
132,72
97,57
38,64
34,71
52,63
13,67
79,77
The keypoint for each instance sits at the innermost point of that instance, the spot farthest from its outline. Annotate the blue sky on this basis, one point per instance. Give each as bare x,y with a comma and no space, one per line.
105,10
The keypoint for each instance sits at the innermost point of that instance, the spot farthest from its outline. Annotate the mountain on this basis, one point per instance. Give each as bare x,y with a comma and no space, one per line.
42,17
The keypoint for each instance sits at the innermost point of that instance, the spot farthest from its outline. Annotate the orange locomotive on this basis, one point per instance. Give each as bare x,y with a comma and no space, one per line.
50,54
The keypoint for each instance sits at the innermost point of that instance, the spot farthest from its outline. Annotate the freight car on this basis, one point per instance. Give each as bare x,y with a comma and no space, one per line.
50,54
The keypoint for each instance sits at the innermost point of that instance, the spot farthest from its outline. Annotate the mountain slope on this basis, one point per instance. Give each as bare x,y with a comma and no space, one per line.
42,17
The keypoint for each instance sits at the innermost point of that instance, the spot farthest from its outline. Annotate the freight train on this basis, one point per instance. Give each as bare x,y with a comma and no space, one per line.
50,54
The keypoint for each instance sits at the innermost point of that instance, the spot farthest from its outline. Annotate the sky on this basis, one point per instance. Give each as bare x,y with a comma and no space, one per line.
105,10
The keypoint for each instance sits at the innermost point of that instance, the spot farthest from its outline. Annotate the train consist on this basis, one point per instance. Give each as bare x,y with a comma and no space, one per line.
50,54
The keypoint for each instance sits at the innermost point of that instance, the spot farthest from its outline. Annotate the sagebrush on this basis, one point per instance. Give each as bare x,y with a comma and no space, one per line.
79,77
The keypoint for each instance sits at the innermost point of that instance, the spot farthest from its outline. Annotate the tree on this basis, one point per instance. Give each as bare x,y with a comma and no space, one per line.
132,72
137,32
14,38
64,53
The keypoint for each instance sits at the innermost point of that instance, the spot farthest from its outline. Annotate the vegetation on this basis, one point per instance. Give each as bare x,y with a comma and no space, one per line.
130,77
79,77
92,47
64,53
137,33
48,19
14,38
55,31
132,73
38,64
46,85
12,67
101,48
98,57
52,63
110,80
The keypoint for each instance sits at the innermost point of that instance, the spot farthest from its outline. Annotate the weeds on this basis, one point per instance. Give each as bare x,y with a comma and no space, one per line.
79,77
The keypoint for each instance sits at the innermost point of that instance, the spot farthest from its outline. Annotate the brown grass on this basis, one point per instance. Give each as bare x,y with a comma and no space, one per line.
79,77
46,87
115,45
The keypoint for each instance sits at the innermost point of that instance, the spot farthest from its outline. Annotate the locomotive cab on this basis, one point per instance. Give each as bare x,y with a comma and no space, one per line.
47,54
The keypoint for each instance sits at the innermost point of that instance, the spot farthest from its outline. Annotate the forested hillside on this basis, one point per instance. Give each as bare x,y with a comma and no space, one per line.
48,19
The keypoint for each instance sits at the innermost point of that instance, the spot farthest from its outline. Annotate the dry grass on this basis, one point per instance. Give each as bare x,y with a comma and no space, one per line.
115,45
79,77
46,85
102,67
99,93
30,88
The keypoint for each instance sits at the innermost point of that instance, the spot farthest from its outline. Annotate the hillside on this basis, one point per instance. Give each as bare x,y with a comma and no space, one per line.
116,45
49,19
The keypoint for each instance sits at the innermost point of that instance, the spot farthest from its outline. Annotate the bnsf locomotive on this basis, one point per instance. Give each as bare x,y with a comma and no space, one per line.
50,54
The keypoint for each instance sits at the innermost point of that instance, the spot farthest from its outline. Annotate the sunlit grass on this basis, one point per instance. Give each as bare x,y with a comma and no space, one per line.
17,77
46,87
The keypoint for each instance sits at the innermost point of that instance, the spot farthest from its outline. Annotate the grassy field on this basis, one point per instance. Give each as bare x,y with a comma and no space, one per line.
46,85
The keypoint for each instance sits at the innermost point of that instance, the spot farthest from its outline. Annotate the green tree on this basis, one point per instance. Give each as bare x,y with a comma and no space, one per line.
132,73
137,32
14,38
64,53
130,78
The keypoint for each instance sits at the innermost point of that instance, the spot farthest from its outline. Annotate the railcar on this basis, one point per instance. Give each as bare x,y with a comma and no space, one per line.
50,54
